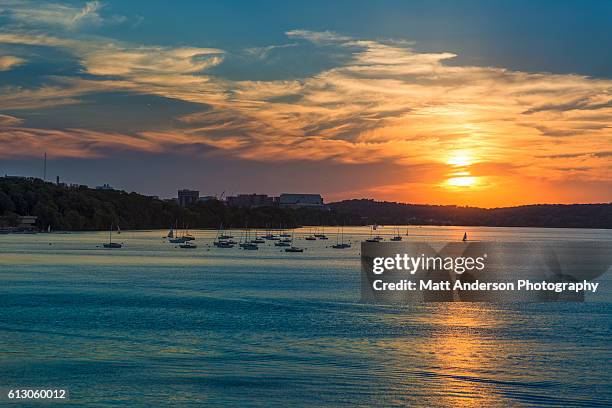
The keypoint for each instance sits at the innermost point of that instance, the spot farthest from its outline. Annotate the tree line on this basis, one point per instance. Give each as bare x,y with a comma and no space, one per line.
82,208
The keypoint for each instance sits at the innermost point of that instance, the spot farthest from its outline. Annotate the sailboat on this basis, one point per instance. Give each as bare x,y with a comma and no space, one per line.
222,240
377,238
293,248
322,234
257,240
283,233
247,244
188,245
222,235
110,244
170,233
118,230
341,245
187,236
397,236
178,239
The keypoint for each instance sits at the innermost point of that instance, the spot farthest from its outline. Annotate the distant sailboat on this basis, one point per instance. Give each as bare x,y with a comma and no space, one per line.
341,245
377,238
110,244
294,249
257,239
465,238
171,232
310,237
397,236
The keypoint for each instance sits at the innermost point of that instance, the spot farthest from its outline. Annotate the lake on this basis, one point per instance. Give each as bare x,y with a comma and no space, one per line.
151,324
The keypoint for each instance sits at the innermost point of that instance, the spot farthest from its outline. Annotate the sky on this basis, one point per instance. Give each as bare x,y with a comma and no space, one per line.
481,103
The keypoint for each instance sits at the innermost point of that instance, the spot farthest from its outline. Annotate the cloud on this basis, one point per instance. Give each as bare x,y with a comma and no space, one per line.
35,14
263,52
8,62
318,36
8,120
385,102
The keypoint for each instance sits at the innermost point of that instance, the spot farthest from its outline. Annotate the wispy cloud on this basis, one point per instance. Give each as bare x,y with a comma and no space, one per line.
8,62
37,14
385,102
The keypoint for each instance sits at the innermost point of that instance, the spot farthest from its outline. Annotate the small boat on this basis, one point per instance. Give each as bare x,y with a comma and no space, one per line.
294,249
188,245
377,238
258,240
187,236
310,238
322,236
110,244
284,235
249,246
177,240
340,244
397,236
221,235
282,244
223,244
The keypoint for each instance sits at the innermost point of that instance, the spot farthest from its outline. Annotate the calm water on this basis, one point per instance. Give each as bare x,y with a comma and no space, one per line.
155,325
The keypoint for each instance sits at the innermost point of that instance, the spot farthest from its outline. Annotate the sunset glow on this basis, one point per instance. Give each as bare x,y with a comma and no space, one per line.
378,117
461,181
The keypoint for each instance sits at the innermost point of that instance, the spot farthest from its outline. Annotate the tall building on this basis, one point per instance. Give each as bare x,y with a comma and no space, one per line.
250,200
300,200
188,197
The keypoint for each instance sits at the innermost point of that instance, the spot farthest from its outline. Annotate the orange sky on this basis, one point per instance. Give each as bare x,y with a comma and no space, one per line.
466,135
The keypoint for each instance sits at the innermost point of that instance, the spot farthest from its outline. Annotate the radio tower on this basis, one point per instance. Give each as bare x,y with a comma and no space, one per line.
45,168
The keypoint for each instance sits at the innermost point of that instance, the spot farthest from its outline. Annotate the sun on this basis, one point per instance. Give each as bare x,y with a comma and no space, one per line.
460,159
465,181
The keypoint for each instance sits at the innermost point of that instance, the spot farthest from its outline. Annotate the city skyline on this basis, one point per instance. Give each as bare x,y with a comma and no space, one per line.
487,104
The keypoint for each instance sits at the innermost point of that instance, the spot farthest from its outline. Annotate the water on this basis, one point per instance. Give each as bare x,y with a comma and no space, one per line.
155,325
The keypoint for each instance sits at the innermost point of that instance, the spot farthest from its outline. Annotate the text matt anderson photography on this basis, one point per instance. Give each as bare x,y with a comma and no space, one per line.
306,203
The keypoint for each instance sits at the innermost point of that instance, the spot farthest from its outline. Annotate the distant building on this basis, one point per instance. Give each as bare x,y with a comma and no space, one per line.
300,200
250,200
104,187
26,221
188,197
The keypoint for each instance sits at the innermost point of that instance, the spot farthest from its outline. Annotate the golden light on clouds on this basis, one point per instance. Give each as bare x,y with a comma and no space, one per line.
461,134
